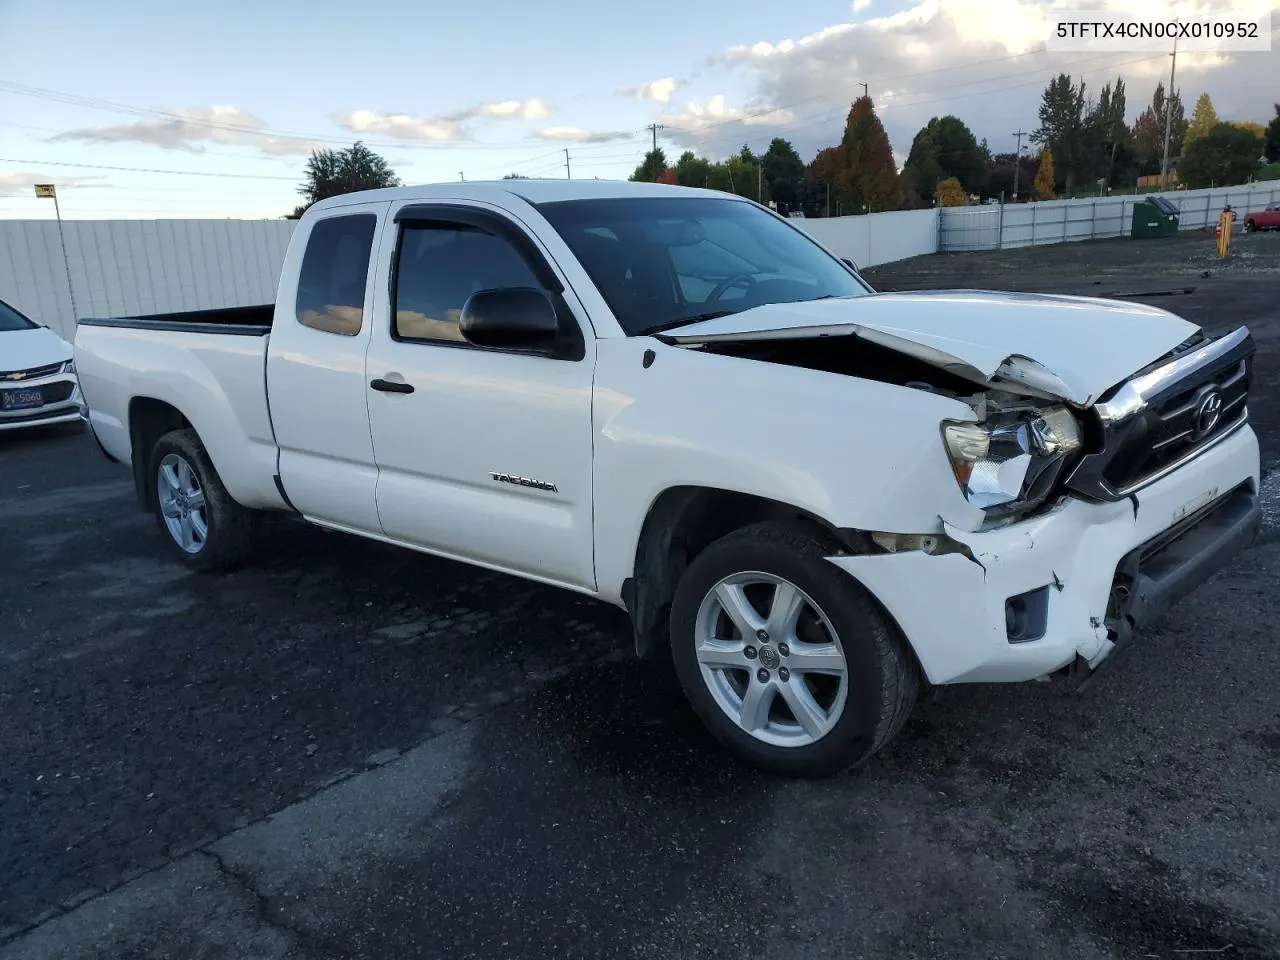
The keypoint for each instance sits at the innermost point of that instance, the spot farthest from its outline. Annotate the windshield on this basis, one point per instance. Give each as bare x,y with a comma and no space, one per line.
662,262
11,319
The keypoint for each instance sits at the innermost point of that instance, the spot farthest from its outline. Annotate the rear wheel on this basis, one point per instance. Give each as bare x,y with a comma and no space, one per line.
205,527
786,659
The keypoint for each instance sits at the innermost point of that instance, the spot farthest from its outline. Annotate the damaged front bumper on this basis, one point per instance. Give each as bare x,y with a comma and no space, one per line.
1069,585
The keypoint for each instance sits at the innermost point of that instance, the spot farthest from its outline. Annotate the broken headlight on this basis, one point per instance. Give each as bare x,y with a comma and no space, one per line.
1010,460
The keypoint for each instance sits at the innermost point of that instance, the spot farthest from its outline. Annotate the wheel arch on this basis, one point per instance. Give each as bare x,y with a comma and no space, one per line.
149,420
683,521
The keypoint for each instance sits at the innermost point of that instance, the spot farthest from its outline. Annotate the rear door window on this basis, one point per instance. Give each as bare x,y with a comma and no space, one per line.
335,274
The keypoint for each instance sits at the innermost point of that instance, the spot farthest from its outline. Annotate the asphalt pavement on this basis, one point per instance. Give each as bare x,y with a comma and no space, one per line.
349,750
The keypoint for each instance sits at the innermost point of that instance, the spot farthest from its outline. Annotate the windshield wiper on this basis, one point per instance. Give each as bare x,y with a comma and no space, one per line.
685,321
717,314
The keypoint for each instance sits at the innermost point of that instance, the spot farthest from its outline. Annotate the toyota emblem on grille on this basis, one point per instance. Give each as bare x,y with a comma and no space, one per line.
1208,412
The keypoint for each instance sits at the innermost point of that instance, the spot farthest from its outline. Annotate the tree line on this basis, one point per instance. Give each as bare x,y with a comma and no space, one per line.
1084,143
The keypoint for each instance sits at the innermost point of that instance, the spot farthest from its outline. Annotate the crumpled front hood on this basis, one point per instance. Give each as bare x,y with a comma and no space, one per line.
24,349
1071,347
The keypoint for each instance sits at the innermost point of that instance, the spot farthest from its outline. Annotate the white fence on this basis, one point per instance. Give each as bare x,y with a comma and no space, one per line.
1059,221
877,237
124,267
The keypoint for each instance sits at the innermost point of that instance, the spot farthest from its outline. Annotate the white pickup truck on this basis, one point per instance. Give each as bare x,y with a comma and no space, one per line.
820,498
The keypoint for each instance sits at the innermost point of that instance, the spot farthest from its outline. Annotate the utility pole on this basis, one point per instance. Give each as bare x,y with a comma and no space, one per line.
462,176
759,182
567,175
1168,116
864,89
654,128
1017,161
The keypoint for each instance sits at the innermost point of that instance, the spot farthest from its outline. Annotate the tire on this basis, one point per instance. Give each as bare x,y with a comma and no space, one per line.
229,529
1249,227
881,679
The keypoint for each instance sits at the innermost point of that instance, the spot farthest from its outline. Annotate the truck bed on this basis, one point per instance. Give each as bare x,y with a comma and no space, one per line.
253,321
206,368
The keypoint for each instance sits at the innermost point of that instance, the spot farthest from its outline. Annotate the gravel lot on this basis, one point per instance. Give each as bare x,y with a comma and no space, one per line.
347,750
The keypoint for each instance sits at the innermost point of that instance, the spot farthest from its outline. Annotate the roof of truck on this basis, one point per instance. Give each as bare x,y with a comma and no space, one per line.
533,191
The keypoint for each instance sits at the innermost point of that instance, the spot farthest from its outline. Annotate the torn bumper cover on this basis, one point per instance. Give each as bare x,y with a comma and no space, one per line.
1073,582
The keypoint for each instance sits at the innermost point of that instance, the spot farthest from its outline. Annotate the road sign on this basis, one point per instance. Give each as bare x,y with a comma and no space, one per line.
46,191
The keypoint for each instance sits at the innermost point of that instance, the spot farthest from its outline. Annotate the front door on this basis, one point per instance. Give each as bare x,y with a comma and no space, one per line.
483,454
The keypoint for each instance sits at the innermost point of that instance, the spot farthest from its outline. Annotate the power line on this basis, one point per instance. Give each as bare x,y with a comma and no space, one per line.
179,173
829,114
111,106
858,83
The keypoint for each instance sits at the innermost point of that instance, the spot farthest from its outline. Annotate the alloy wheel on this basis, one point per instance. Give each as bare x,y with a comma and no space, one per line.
771,659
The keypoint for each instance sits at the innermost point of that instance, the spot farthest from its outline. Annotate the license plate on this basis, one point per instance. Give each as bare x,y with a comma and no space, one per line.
1191,506
21,399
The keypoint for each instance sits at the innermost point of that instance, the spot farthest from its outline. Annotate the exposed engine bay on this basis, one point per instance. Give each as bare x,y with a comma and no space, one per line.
851,356
1008,460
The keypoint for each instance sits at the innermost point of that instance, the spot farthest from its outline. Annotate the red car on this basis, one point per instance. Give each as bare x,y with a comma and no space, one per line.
1268,219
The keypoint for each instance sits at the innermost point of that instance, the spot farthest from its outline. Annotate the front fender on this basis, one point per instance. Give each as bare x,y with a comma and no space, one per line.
855,453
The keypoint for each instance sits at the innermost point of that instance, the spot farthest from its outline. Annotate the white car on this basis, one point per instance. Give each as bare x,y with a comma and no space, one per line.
37,374
673,400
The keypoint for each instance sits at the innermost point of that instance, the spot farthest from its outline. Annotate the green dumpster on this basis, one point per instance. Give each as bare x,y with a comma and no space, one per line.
1154,217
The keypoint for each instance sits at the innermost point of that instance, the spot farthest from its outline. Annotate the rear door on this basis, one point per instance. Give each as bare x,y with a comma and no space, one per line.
483,454
315,369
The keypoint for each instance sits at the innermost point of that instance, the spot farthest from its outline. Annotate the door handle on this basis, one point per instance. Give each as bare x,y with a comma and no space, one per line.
391,386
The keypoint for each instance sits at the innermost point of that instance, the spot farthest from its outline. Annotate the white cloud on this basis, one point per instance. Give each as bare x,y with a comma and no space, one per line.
715,114
190,128
396,126
982,60
659,91
444,127
534,109
578,135
22,184
860,5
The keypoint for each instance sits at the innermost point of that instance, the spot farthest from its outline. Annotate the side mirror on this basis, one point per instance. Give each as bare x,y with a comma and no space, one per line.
850,264
511,317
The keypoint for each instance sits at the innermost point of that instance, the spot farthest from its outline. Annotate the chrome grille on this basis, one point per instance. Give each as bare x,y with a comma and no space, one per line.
17,376
1168,414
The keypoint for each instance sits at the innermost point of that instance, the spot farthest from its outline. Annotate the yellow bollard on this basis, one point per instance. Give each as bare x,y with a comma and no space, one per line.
1224,230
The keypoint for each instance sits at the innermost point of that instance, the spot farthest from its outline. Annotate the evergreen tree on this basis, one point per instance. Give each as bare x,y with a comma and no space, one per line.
945,149
655,161
868,176
1065,129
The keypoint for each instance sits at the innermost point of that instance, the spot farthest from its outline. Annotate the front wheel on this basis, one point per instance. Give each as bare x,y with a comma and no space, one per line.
206,528
787,660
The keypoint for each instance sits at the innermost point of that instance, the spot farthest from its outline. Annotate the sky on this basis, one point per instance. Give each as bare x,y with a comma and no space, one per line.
146,109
